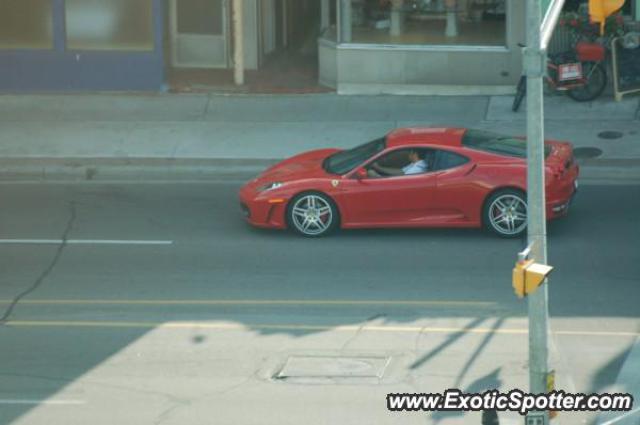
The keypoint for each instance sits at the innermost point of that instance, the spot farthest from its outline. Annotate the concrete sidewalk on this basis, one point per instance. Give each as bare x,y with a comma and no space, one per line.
195,136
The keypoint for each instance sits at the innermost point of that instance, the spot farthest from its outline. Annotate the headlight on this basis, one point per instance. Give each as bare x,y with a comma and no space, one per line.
270,186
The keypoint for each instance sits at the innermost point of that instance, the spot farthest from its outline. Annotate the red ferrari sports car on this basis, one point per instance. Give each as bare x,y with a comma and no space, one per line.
413,177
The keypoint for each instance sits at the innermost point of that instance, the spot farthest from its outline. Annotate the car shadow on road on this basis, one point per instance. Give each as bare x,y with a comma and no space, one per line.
380,233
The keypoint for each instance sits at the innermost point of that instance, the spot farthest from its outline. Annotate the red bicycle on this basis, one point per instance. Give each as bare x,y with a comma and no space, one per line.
580,73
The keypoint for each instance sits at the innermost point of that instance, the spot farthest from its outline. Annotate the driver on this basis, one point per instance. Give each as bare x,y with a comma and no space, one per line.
416,165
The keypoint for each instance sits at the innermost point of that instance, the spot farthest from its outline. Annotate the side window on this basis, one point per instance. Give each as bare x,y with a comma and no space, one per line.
397,159
400,162
446,160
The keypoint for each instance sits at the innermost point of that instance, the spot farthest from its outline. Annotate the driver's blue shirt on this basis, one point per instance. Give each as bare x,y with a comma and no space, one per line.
415,168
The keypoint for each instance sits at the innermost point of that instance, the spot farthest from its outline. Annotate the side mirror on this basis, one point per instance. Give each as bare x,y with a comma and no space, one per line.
361,173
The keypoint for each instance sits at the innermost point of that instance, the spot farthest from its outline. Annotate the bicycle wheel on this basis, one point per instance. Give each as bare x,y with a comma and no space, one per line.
596,82
520,92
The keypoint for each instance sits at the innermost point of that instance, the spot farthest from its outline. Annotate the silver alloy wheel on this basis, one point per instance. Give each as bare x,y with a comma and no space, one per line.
312,215
508,214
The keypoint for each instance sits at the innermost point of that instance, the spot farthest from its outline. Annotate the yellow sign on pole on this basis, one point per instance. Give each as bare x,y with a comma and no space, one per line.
527,276
599,10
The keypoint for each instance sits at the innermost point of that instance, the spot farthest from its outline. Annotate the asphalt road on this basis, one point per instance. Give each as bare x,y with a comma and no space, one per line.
165,307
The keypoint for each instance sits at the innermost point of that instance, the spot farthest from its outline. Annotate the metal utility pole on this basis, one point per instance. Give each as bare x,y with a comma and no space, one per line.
238,43
535,64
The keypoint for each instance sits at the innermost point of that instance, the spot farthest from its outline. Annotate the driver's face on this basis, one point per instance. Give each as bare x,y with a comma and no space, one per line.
413,156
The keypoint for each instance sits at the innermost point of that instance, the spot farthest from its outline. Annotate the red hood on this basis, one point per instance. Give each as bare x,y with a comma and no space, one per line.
302,166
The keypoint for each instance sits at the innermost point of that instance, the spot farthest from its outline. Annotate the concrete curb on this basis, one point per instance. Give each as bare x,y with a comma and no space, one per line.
128,169
609,171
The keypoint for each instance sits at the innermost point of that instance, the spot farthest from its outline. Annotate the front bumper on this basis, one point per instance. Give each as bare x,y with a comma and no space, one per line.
261,211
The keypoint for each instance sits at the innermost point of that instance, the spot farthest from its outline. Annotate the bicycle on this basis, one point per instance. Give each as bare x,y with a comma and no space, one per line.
580,73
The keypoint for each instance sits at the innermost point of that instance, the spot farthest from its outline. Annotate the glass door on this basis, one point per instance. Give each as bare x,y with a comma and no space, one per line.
199,33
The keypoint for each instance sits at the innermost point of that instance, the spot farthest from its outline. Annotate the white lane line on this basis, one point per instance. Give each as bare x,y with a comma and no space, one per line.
50,402
83,242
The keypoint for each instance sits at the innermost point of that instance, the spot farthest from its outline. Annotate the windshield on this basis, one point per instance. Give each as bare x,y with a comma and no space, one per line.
345,161
497,143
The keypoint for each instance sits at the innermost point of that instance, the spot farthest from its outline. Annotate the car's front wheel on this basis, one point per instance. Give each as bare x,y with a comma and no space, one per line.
505,213
312,214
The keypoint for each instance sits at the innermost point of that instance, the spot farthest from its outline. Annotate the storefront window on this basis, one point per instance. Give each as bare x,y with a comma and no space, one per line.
26,24
109,24
424,22
195,17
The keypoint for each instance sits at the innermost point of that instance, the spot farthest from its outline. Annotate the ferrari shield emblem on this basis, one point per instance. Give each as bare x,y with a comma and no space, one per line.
335,183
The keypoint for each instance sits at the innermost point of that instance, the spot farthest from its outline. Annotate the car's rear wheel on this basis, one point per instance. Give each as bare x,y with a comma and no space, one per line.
505,213
312,214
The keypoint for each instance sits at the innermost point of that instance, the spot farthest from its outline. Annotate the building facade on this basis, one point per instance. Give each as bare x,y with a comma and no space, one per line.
423,46
427,46
364,46
87,45
81,45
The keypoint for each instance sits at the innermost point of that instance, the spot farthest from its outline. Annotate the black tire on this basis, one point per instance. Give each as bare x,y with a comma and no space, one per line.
499,205
312,214
596,83
521,90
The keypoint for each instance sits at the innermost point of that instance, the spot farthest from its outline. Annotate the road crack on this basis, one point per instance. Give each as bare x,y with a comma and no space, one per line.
47,271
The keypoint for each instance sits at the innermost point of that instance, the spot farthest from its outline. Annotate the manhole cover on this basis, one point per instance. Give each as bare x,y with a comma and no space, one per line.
333,367
585,153
610,135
